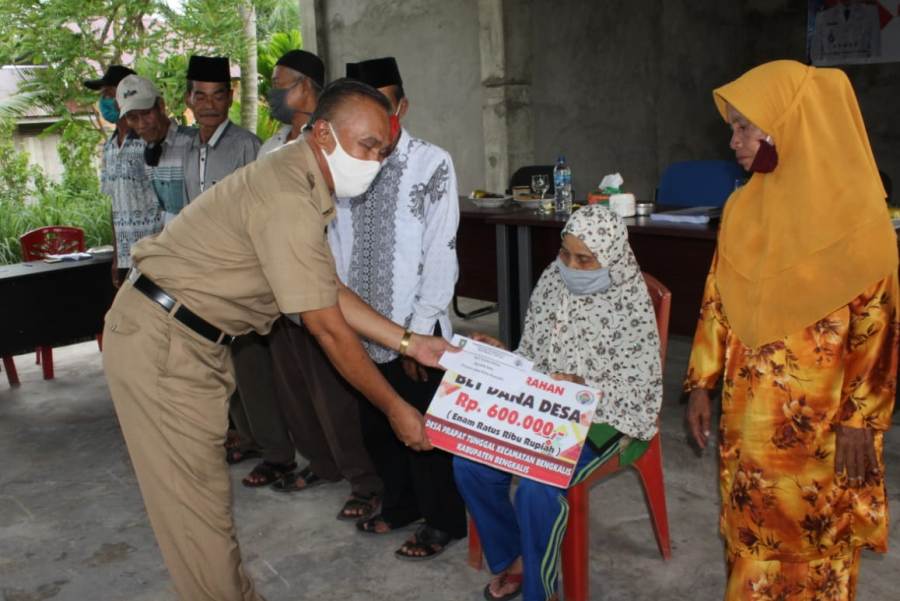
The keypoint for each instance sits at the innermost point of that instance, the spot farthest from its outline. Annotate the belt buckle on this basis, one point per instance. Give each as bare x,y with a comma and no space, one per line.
133,275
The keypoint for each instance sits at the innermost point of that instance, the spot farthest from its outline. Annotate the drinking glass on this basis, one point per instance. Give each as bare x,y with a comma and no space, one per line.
540,183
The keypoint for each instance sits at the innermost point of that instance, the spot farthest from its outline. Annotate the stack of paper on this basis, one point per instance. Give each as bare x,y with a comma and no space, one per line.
698,215
67,257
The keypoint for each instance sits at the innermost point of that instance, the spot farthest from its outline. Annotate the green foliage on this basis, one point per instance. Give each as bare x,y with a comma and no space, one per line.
75,40
169,76
271,50
57,207
78,152
209,27
273,16
29,201
266,125
268,54
18,180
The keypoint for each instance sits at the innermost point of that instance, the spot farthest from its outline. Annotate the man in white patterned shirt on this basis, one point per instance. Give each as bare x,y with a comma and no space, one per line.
395,246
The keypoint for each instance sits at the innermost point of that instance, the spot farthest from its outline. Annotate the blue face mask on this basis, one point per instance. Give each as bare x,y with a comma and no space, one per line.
109,109
584,281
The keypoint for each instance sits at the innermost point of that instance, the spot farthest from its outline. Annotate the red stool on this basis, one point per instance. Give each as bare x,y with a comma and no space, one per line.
36,245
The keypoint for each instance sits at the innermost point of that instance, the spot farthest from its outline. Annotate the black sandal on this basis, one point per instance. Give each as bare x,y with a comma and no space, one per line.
367,503
430,541
288,481
369,524
267,473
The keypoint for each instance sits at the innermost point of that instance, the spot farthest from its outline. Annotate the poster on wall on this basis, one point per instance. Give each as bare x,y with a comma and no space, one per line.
844,32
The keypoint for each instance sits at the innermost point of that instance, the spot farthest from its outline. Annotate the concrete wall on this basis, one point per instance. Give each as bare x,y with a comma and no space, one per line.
436,45
615,85
626,86
595,77
41,149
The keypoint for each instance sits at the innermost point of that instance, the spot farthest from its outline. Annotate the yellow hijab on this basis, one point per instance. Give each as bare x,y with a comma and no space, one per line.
802,241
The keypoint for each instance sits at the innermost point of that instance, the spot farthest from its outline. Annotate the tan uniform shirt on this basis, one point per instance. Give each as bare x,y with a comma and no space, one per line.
252,247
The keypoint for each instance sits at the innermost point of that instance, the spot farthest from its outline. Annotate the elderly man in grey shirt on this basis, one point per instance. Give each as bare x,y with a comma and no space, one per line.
221,147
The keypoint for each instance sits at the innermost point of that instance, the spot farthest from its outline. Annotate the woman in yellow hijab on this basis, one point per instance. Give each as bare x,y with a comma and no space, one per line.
799,319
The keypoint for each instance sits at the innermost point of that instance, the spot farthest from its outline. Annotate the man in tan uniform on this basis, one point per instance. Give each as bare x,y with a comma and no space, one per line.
246,251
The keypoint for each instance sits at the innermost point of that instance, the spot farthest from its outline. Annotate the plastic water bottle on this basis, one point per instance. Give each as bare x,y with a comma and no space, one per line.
562,182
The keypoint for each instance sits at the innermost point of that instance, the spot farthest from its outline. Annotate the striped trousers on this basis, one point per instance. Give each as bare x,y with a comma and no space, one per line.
534,528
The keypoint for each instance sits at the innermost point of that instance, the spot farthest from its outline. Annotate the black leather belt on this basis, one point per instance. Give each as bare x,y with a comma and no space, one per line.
183,314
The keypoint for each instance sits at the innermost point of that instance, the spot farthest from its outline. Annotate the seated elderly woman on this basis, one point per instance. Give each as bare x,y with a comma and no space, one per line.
591,321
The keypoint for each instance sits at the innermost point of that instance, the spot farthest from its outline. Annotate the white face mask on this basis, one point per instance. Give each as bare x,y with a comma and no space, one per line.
351,176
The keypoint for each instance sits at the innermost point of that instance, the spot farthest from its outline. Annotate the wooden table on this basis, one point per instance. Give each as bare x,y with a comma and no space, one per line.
486,265
678,255
53,304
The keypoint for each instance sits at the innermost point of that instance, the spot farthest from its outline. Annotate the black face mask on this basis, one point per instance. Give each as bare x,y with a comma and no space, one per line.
766,158
278,108
152,153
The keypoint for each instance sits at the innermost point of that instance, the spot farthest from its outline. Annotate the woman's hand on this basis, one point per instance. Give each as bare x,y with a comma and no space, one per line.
478,336
699,416
568,378
855,455
409,426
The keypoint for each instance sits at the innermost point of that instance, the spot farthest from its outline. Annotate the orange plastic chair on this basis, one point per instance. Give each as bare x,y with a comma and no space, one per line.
36,245
575,552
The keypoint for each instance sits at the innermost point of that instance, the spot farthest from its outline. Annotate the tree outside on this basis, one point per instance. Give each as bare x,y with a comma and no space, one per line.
73,41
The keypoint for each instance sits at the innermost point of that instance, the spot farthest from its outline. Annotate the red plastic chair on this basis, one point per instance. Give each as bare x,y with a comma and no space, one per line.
36,245
12,376
575,552
51,240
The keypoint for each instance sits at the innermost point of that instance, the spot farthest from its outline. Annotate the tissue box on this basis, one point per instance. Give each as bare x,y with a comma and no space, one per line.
622,204
597,198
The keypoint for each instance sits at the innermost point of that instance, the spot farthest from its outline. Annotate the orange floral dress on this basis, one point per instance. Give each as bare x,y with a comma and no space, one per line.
782,504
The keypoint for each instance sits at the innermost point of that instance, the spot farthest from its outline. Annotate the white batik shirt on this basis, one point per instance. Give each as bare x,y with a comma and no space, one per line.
395,245
276,141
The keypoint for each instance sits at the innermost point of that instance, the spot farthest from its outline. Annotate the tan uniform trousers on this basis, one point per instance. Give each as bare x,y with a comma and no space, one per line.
170,387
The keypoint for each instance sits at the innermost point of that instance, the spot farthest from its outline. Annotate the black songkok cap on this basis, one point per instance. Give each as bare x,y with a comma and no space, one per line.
112,77
306,63
378,72
209,68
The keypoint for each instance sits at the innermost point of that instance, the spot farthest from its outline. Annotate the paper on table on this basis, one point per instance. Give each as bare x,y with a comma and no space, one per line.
696,215
67,257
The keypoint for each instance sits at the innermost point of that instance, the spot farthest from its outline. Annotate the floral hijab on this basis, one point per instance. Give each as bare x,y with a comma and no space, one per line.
610,338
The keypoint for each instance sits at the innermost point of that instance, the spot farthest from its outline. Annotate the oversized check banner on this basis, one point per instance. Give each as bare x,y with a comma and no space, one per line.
491,407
